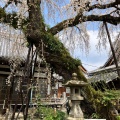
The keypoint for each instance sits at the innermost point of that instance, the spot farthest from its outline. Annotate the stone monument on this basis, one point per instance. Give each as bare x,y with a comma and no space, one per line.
75,97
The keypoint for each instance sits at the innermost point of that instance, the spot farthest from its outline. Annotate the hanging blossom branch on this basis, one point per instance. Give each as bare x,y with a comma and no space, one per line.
14,65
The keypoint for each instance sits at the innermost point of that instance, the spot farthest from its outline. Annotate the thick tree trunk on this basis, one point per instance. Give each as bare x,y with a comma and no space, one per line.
36,23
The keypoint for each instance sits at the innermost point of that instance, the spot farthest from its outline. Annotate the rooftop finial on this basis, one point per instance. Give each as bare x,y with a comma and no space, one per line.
74,76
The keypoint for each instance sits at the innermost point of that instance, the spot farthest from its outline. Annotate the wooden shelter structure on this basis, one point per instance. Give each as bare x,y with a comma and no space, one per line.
108,72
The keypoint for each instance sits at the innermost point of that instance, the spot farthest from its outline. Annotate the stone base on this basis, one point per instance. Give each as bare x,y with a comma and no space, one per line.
71,118
76,111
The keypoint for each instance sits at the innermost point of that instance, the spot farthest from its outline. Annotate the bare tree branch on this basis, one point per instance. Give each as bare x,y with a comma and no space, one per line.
118,8
10,18
79,19
10,1
98,6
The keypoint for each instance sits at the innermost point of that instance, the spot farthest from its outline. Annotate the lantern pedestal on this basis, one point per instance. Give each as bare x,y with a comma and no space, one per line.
76,111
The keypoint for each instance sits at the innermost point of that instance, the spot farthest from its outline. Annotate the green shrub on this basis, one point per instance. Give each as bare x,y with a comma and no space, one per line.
95,116
49,114
118,117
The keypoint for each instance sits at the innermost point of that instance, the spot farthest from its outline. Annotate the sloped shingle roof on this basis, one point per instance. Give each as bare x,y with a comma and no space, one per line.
107,74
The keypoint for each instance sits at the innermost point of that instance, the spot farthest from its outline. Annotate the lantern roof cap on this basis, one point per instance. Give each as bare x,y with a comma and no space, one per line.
75,82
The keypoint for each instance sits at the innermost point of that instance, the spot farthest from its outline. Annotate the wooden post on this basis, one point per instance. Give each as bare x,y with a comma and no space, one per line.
28,82
112,49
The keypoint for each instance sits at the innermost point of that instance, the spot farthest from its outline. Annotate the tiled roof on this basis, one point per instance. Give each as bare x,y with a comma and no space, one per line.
104,74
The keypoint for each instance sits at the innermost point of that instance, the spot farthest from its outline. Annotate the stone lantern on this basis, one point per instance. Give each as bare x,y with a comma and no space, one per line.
75,97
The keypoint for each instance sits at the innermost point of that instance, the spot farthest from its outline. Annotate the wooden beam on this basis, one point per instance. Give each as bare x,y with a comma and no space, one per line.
4,66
